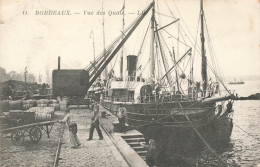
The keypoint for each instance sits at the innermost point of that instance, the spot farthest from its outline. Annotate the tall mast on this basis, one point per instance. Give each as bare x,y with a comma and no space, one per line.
122,50
104,43
94,55
152,46
204,58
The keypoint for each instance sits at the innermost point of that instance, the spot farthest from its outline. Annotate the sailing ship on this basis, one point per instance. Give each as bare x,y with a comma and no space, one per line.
236,82
179,121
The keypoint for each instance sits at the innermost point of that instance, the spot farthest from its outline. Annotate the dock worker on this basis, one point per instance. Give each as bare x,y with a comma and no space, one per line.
95,123
72,128
121,118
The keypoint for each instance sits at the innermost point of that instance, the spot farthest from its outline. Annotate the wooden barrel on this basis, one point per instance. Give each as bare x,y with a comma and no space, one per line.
42,109
42,113
48,110
42,117
4,106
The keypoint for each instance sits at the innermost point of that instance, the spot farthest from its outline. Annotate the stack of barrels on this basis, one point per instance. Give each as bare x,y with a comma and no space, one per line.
30,111
48,103
18,114
45,109
42,113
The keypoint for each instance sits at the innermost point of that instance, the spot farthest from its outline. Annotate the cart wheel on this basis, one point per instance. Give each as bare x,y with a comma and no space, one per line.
17,137
35,134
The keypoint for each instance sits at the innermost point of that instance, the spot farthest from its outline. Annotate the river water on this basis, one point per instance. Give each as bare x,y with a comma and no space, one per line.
243,148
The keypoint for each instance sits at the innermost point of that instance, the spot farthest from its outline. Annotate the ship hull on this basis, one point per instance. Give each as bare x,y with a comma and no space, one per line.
167,124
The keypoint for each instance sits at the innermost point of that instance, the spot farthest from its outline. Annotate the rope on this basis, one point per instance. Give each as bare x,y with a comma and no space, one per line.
176,38
246,132
114,63
111,46
163,14
212,50
170,52
195,46
141,47
181,18
145,66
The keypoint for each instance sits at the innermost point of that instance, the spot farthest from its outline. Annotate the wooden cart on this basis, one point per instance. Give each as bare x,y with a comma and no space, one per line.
34,131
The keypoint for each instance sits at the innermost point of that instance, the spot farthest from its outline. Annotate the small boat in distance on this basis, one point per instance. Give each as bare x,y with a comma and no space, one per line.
236,82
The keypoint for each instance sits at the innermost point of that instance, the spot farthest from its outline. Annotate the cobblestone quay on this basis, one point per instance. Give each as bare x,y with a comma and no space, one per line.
30,154
94,153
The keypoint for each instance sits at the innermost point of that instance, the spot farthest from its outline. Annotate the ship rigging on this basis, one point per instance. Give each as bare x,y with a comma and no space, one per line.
181,115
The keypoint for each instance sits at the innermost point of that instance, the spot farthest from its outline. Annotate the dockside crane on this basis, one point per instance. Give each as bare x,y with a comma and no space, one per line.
77,82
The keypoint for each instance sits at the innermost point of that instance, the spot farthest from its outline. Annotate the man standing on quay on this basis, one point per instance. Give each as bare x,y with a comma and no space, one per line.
95,123
121,118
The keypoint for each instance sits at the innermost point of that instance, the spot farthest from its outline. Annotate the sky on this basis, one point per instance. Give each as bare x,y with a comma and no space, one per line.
29,39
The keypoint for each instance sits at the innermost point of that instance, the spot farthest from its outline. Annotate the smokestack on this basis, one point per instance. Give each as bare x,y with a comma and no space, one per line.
59,63
131,65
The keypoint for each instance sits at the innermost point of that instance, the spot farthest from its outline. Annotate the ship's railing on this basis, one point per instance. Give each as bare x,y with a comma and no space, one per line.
168,97
120,98
149,98
161,98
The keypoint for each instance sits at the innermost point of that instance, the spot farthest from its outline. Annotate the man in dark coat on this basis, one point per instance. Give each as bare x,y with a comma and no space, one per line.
121,118
95,123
